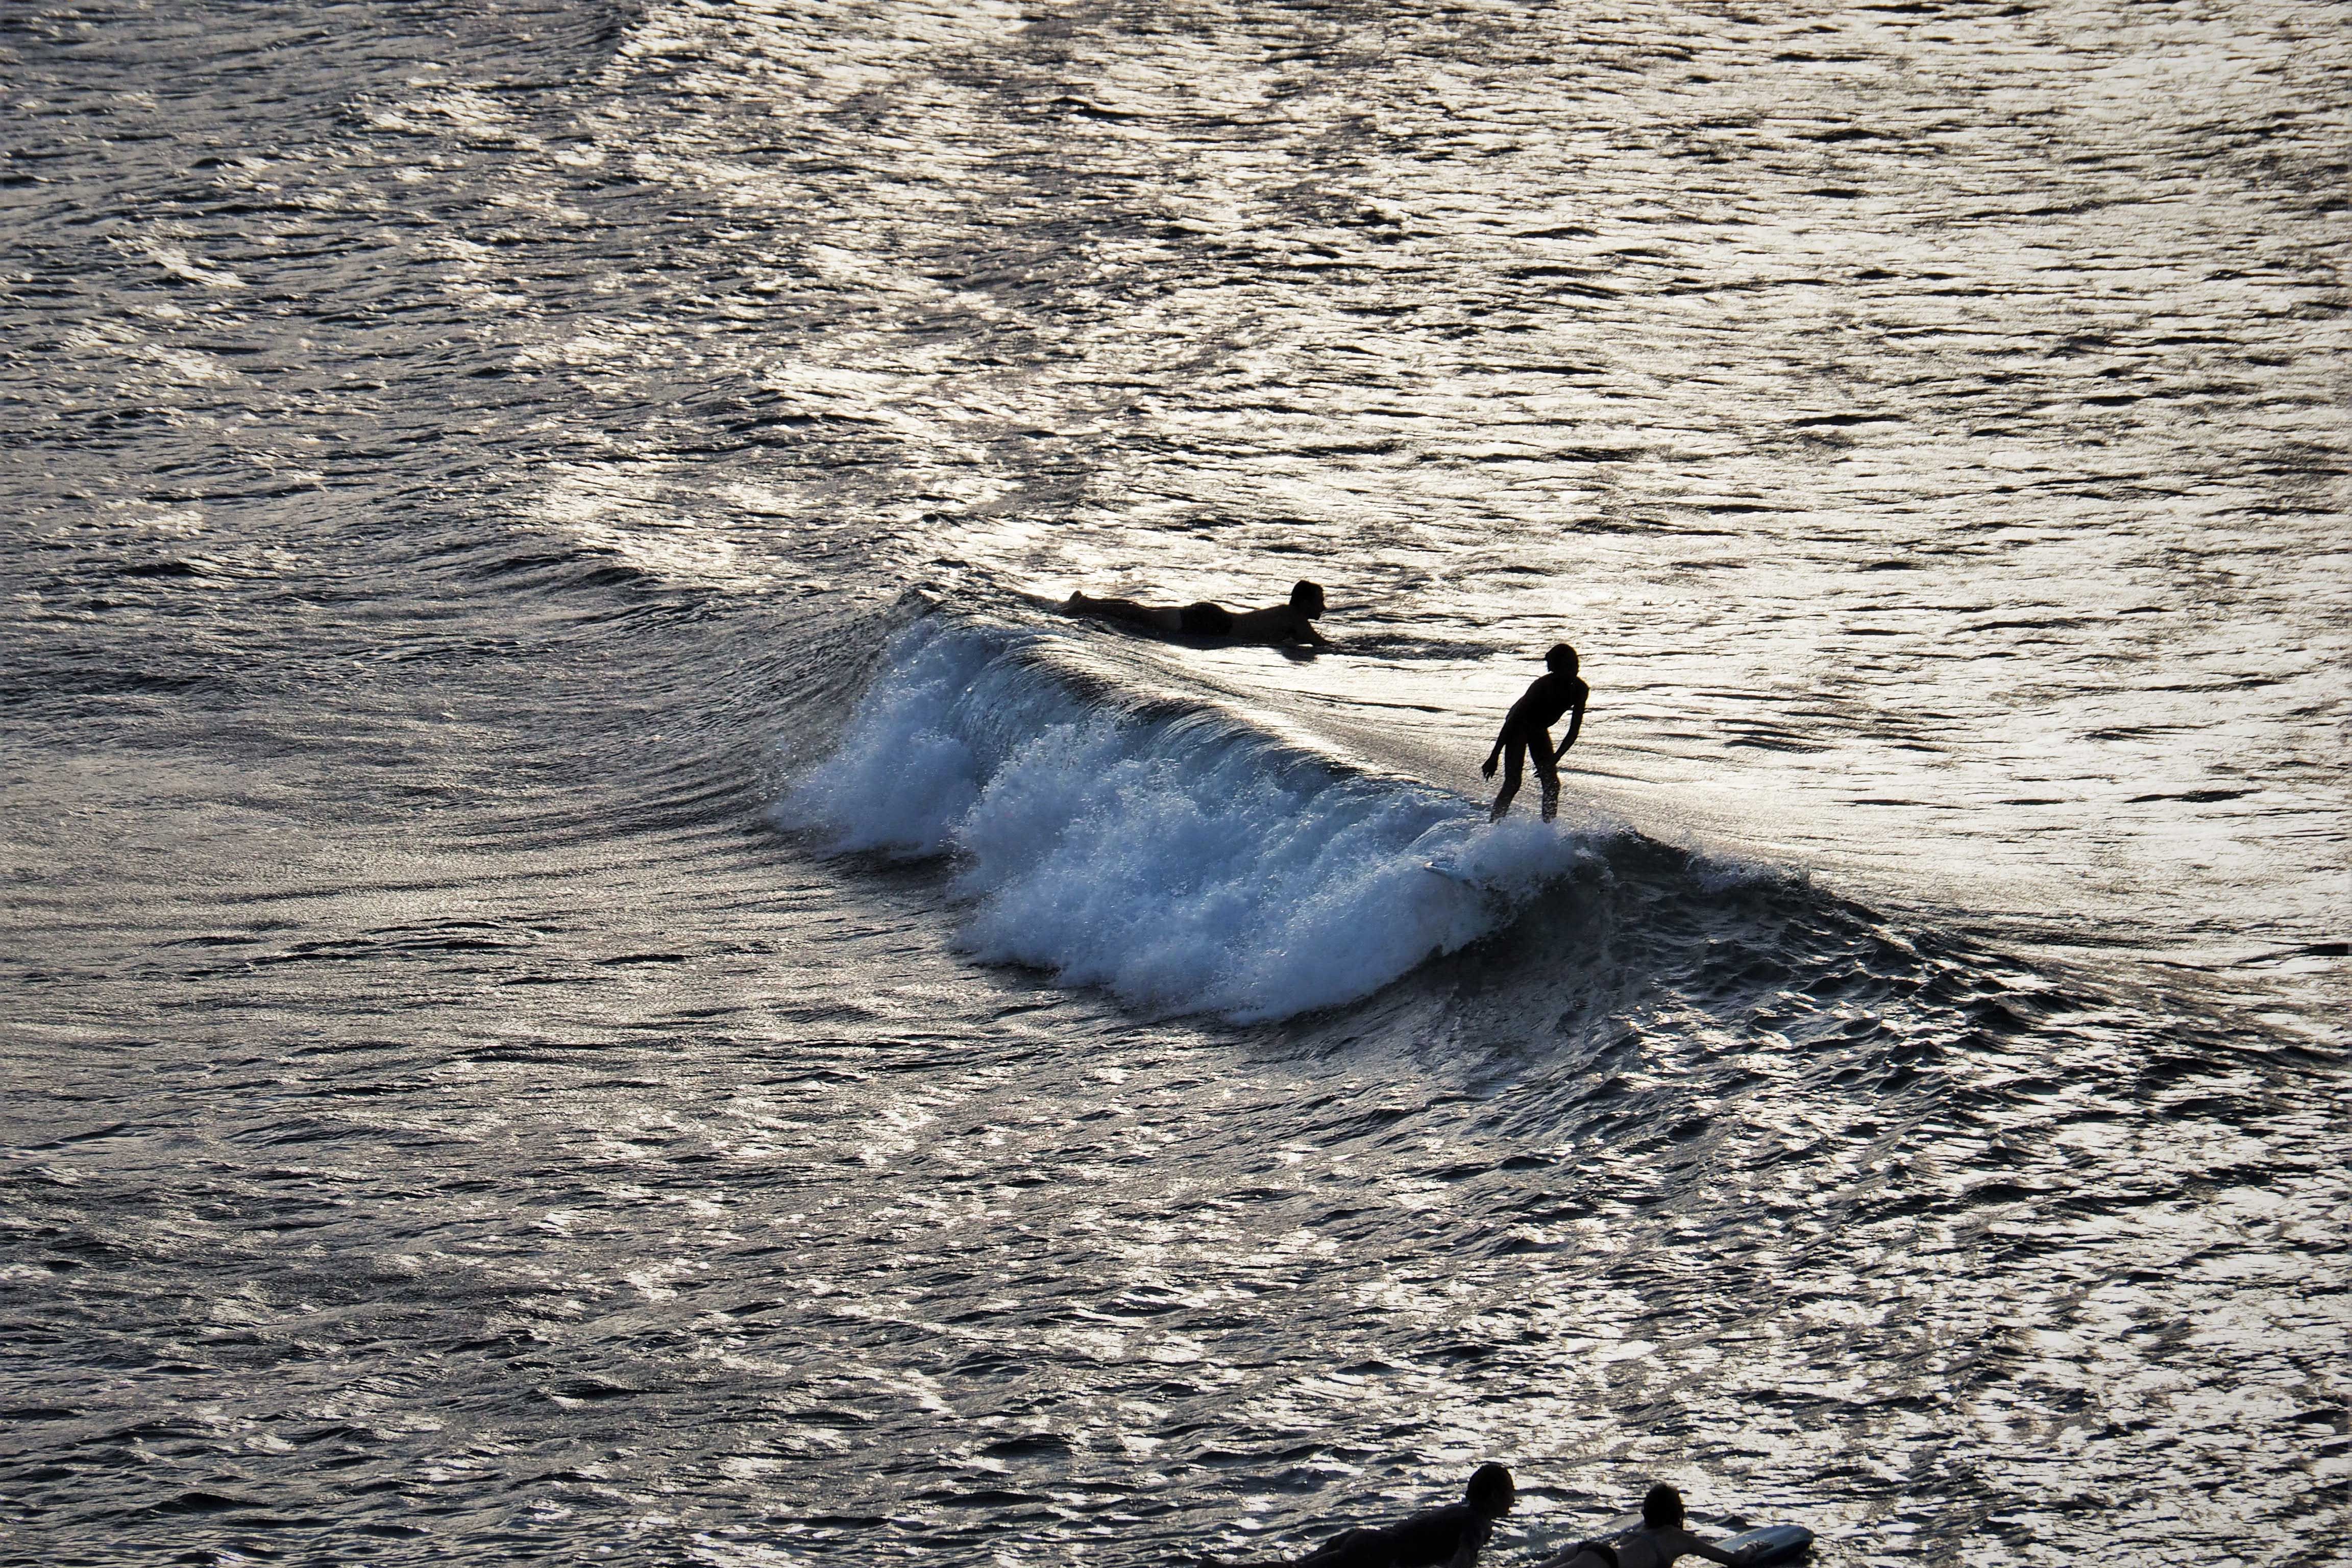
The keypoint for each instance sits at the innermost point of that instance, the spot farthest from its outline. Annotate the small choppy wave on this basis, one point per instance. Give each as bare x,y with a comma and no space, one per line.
1180,858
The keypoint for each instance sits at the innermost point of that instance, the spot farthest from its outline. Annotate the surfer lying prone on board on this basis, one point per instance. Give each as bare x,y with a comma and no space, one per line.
1659,1540
1447,1537
1527,731
1292,622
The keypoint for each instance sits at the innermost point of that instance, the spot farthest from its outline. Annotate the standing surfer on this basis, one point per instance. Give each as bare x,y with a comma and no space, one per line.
1527,731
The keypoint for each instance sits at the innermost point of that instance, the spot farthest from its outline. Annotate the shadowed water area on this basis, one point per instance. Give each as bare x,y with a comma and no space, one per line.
593,975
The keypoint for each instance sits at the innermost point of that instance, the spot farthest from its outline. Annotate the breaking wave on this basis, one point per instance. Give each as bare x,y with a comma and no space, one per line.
1176,857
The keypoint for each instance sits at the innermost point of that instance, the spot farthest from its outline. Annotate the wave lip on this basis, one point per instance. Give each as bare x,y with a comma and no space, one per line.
1182,860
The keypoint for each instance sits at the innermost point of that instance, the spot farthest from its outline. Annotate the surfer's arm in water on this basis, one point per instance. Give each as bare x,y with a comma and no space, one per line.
1664,1545
1277,624
1584,1554
1466,1554
1694,1546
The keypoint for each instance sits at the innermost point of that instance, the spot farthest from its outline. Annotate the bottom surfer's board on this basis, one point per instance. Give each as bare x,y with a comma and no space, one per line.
1774,1543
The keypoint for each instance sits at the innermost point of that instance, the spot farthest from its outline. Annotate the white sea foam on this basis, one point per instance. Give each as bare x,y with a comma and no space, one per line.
1183,862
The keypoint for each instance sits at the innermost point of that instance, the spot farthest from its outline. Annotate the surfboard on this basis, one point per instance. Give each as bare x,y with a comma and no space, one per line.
1772,1544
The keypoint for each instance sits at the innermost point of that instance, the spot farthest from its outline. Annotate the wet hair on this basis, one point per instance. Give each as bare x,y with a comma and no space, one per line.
1490,1490
1663,1508
1561,659
1306,598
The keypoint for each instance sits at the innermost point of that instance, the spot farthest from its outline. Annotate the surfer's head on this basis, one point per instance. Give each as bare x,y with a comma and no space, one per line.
1663,1508
1491,1492
1561,659
1306,599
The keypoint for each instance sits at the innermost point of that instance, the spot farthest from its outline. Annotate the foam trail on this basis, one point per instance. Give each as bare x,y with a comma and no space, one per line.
1184,862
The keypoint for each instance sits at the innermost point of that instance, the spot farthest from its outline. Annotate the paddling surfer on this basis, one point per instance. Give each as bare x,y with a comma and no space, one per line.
1527,731
1449,1537
1661,1539
1292,622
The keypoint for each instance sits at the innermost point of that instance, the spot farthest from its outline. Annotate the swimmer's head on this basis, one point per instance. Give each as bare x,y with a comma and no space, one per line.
1491,1492
1306,599
1561,659
1663,1508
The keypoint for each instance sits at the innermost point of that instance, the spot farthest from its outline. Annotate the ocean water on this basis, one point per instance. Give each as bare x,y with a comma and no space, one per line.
593,975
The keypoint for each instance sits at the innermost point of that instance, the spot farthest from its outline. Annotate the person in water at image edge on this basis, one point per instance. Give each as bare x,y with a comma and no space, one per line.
1527,731
1292,622
1661,1539
1448,1537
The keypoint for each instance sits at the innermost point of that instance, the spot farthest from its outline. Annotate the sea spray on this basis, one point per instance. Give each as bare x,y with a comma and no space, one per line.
1183,860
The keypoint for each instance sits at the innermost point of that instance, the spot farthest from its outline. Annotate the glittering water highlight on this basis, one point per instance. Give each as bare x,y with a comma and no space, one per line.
593,975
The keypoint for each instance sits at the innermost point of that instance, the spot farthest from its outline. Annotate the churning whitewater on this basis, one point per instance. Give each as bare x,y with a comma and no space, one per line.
1180,860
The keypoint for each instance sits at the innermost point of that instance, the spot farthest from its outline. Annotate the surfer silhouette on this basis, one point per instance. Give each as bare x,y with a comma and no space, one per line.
1449,1537
1527,731
1659,1540
1292,622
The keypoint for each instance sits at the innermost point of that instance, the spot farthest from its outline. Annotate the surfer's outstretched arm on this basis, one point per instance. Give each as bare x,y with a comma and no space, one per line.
1575,722
1686,1543
1514,727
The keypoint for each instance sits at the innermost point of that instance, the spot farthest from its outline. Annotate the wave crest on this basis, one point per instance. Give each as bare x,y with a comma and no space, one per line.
1181,859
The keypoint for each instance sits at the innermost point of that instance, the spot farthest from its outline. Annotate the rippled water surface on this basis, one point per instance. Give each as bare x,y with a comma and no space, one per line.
593,976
